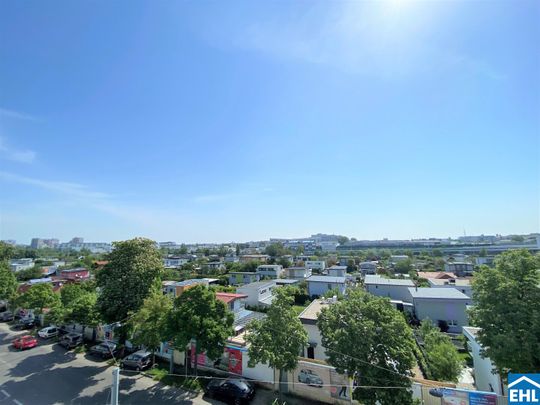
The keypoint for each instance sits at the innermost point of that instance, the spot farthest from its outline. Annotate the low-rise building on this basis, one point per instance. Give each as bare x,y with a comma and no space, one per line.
368,268
396,289
243,277
308,317
259,293
460,269
319,285
398,258
214,266
78,274
254,258
175,261
337,271
444,306
486,377
299,273
16,265
317,265
460,284
270,270
178,287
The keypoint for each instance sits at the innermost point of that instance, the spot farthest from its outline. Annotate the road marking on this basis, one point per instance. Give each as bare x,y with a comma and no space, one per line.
5,393
17,402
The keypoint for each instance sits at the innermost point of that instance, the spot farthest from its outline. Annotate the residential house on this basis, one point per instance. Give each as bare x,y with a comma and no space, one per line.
272,271
443,275
299,273
398,258
368,268
175,261
243,277
78,274
444,306
177,288
486,260
486,377
459,268
308,317
258,293
231,259
254,258
319,285
317,265
460,284
337,271
234,302
16,265
396,289
214,266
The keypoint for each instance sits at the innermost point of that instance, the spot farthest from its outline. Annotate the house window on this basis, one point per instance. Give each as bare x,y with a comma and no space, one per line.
452,322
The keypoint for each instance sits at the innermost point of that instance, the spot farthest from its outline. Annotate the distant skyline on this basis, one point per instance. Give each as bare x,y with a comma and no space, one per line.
218,122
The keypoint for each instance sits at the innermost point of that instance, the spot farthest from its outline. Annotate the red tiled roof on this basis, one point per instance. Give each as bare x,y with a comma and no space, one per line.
229,297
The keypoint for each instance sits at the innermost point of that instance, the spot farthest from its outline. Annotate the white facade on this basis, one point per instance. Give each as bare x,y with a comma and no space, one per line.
270,270
485,378
441,304
319,265
462,285
299,273
395,289
175,261
368,268
308,317
319,285
259,293
337,271
20,264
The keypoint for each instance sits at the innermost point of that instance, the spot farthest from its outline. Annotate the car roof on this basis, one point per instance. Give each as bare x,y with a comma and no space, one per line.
141,353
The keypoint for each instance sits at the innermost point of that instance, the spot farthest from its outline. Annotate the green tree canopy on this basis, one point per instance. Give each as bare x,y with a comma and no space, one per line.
277,339
508,311
38,297
197,314
150,320
8,283
125,281
364,334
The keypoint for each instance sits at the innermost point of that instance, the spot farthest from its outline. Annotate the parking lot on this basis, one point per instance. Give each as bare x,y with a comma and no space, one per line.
49,374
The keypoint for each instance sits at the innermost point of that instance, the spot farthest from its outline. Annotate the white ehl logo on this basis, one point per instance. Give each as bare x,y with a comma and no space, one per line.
524,395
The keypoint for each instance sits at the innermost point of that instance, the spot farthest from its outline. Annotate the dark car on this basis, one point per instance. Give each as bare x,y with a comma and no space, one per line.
6,316
27,323
139,360
71,340
232,390
105,350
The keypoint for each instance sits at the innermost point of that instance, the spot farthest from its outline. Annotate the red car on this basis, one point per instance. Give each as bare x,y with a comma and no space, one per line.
25,342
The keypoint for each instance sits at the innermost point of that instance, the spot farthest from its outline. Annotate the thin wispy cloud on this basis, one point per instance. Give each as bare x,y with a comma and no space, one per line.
5,112
16,155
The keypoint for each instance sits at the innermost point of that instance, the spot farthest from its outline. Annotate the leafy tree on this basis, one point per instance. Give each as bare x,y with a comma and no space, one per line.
342,240
403,266
84,310
284,262
508,311
39,296
8,283
125,280
278,339
442,356
149,321
29,274
197,314
385,356
6,252
275,250
70,293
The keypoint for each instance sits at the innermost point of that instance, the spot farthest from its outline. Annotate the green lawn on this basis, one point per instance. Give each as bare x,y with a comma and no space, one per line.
190,383
298,309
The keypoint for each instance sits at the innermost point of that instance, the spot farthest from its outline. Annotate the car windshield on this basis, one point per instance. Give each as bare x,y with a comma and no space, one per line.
241,385
134,357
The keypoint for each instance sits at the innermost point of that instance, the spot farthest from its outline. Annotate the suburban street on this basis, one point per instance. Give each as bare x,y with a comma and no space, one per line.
48,374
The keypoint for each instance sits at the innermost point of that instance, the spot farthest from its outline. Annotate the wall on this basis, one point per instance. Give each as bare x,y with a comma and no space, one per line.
394,292
484,379
319,288
440,309
314,336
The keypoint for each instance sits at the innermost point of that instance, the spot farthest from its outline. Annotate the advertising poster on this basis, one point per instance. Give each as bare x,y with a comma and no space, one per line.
482,398
454,397
340,386
320,381
235,360
458,397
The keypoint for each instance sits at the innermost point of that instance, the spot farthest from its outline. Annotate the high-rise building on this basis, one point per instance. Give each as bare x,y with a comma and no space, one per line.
36,243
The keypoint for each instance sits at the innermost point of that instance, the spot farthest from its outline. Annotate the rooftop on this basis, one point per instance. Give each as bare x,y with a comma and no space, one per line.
259,284
370,279
438,293
229,297
287,281
436,274
326,279
337,268
311,313
460,282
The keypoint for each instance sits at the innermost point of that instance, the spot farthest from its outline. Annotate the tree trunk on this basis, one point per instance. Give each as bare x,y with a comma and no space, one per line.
280,386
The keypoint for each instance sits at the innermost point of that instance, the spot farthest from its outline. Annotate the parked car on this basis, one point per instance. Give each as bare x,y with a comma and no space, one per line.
26,323
232,390
25,342
3,305
48,332
105,350
139,360
71,340
308,377
6,316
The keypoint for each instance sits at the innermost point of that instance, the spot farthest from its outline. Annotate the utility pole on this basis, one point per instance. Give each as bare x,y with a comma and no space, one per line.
114,386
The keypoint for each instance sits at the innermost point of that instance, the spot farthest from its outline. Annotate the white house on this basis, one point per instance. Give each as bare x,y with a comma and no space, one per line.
460,284
368,268
460,269
394,288
337,271
309,317
318,285
175,261
486,378
318,265
298,273
243,277
20,264
270,270
441,305
259,293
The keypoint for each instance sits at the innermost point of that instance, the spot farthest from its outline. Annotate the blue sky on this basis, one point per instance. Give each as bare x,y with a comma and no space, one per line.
219,121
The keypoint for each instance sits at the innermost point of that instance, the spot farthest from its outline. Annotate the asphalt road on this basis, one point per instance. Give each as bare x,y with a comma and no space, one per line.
48,374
